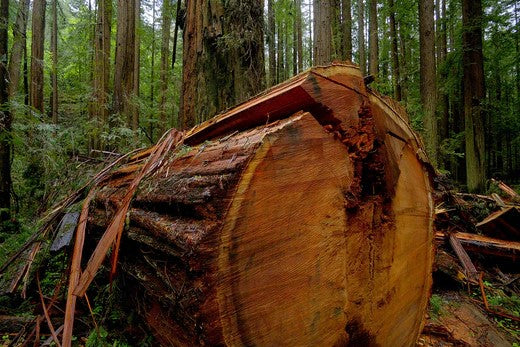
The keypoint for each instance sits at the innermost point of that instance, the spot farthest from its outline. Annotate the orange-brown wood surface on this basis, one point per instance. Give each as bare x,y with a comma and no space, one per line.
301,217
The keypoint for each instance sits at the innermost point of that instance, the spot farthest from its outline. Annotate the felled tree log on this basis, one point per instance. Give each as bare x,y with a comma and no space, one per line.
301,217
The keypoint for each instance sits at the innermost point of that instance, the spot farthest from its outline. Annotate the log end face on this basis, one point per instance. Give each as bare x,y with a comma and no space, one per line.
282,257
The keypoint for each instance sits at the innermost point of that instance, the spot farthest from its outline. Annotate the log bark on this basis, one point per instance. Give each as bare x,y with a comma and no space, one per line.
302,216
223,57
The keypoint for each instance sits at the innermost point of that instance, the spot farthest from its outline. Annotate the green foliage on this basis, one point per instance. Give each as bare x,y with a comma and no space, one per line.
436,306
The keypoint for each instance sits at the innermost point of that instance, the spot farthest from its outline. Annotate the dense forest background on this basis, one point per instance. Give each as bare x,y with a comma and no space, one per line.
83,81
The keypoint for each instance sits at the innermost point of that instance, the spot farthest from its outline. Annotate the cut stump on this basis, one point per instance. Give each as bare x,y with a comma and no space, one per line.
300,217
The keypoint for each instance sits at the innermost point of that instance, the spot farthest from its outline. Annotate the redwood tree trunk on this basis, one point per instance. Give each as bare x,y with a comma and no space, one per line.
125,59
322,32
165,55
271,29
5,119
54,69
19,41
38,37
373,40
223,60
428,76
299,34
137,64
474,93
101,84
361,37
396,73
347,29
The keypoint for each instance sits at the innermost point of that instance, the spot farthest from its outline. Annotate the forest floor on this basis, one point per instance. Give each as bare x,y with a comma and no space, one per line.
483,308
457,317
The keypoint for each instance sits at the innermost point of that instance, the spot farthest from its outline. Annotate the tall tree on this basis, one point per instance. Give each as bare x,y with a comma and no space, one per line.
137,66
361,36
223,60
37,43
298,37
280,66
396,73
165,55
442,53
101,76
5,118
322,32
125,59
474,93
19,42
373,39
346,13
428,76
271,29
54,68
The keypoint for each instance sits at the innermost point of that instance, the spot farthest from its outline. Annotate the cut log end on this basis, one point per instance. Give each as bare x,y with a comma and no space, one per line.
315,229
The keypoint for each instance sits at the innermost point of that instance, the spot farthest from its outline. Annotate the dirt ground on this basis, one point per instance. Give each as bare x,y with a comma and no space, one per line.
457,316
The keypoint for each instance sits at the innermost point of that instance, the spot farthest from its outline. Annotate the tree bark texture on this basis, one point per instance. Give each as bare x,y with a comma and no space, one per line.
271,42
165,55
101,78
124,60
347,29
38,37
137,67
54,68
428,76
396,73
474,94
5,118
322,32
301,217
299,35
223,60
361,36
19,42
373,40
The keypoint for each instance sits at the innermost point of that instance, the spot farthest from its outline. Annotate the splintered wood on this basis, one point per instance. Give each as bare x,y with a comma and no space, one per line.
300,217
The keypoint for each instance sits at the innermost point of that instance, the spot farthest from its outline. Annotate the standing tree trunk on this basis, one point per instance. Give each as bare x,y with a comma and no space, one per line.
152,73
373,40
38,37
271,29
347,29
19,42
125,57
5,118
361,37
428,71
54,69
223,60
101,78
443,97
137,62
474,93
322,32
280,68
396,77
165,54
404,57
299,35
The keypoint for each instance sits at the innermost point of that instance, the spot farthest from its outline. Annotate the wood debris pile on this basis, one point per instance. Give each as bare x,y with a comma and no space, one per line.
476,273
